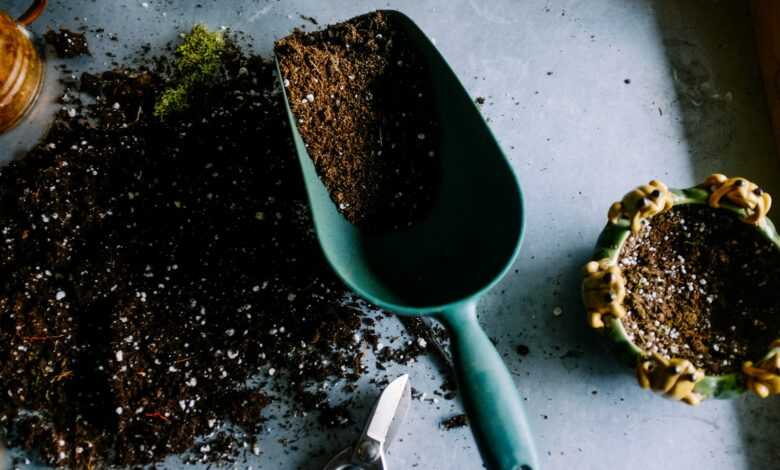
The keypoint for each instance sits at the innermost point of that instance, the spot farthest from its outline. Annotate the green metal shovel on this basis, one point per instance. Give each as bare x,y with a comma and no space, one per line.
442,264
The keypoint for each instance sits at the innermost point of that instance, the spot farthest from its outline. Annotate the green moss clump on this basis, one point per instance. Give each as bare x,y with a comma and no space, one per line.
198,57
198,61
173,99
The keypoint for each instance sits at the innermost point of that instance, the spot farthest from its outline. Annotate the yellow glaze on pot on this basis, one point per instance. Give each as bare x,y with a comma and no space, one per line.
764,378
741,192
675,378
642,203
603,291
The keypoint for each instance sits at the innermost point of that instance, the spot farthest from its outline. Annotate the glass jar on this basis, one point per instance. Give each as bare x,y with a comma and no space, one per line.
21,67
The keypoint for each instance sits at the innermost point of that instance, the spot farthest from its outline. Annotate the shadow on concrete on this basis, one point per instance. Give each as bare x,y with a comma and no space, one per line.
720,96
758,422
725,119
576,351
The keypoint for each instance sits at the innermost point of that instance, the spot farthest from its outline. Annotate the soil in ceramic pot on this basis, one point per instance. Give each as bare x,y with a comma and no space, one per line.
704,286
364,108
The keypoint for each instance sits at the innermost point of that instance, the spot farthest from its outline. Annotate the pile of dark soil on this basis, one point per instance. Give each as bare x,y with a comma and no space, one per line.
365,109
152,269
67,43
704,286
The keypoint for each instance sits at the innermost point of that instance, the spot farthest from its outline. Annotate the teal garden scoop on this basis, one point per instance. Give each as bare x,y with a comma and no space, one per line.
444,263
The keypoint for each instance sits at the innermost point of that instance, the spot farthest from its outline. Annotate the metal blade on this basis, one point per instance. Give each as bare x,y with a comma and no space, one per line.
390,411
400,414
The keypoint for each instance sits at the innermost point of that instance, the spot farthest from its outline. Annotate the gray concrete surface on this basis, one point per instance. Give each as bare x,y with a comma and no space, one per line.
578,136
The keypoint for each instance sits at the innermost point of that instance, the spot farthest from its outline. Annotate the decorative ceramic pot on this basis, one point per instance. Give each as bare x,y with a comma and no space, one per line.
604,289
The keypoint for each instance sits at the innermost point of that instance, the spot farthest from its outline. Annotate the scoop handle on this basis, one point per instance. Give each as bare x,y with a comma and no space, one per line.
492,402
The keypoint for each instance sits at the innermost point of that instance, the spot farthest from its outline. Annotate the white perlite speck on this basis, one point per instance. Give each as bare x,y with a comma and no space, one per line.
60,295
192,382
310,97
120,356
119,410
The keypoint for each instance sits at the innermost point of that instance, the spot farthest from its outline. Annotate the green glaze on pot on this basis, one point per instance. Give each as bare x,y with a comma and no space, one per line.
608,246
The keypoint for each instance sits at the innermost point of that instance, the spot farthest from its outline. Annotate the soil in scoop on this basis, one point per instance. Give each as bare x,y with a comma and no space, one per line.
704,286
160,280
364,108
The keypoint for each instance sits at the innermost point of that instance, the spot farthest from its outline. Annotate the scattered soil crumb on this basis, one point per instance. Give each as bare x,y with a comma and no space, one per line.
310,19
67,43
454,422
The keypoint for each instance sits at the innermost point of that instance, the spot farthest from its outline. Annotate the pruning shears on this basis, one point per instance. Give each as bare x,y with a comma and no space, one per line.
368,453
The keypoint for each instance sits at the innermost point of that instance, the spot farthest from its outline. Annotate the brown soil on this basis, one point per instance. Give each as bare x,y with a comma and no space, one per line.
364,109
151,269
67,43
455,422
704,286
